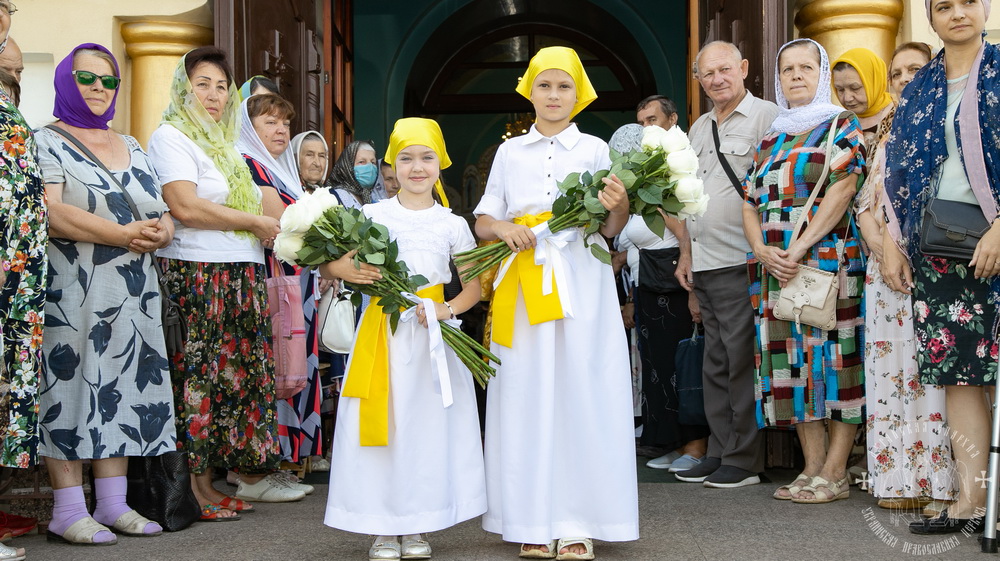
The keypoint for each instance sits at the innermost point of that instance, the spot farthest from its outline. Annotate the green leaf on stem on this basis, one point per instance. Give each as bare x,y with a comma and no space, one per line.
651,195
600,253
654,222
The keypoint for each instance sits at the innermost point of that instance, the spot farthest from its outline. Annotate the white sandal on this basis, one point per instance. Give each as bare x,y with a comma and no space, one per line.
383,549
133,524
81,532
8,553
538,553
415,548
587,543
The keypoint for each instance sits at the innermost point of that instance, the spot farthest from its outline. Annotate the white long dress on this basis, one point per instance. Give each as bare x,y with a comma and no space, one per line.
430,476
560,447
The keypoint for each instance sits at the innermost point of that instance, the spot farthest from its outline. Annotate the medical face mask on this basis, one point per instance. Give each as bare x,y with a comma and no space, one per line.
366,174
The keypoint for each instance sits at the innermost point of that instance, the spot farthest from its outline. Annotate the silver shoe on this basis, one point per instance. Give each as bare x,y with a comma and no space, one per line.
414,548
384,549
285,479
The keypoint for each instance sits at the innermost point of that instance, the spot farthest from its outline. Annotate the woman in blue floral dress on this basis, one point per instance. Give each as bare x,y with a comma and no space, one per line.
105,394
944,146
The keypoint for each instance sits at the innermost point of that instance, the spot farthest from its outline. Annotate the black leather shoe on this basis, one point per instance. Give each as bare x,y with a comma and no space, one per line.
945,525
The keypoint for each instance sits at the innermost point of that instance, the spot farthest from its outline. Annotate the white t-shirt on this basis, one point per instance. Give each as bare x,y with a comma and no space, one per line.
178,158
636,236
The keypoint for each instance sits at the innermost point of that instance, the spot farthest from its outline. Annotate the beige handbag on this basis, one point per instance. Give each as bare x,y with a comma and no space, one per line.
810,297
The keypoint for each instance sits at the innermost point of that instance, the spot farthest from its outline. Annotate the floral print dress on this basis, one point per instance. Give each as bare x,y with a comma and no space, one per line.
909,448
106,388
24,226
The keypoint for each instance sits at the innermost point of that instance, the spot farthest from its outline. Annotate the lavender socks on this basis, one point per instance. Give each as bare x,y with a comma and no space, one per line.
110,492
69,507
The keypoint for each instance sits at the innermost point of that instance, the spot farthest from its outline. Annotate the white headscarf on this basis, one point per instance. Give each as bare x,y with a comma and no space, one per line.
819,110
296,146
284,169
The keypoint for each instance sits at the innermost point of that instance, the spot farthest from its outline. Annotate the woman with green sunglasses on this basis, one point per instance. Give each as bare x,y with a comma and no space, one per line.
96,402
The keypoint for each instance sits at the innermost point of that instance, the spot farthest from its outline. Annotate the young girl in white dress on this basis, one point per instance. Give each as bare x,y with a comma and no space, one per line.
560,446
424,472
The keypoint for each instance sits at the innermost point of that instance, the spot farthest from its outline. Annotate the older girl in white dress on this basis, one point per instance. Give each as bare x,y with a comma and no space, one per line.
560,448
429,476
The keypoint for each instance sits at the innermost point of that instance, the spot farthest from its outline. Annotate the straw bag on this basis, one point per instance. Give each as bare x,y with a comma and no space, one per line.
810,297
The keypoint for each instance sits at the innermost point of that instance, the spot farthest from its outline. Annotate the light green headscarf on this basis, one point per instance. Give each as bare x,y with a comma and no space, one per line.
217,140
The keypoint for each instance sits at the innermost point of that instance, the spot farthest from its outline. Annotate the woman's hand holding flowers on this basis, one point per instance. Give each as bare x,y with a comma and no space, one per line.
343,268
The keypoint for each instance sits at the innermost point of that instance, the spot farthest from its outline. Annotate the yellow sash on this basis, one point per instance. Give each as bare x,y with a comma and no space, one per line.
368,376
525,273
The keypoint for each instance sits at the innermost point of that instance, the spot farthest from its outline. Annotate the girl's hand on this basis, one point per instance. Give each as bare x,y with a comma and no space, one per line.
986,257
344,268
441,311
518,237
895,269
613,196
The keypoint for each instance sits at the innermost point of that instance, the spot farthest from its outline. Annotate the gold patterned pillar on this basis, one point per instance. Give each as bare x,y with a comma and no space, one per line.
155,48
840,25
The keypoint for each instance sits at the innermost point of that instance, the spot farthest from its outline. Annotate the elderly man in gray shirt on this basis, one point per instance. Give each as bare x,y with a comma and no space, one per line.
717,272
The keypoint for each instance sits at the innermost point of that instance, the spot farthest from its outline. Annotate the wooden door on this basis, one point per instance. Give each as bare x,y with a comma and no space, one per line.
757,28
280,39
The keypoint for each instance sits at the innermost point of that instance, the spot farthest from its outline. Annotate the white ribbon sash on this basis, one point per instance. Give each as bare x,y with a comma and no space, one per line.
436,345
548,254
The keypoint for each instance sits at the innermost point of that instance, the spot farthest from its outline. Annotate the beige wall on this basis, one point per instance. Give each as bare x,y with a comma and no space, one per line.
47,30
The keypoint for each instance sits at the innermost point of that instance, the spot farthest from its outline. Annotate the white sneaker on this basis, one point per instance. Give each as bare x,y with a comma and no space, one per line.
267,490
288,480
664,461
319,464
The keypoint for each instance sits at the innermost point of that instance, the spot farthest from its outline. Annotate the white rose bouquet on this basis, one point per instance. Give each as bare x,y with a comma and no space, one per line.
317,229
661,174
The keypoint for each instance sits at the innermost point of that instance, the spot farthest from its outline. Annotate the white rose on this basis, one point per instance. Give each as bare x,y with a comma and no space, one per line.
324,199
300,216
689,189
683,162
696,208
652,138
287,245
674,140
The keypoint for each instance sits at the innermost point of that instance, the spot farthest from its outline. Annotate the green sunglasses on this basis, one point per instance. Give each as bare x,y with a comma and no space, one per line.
87,78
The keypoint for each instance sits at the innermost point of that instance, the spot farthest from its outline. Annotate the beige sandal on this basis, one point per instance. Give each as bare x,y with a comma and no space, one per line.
81,532
824,491
587,543
793,488
538,553
133,524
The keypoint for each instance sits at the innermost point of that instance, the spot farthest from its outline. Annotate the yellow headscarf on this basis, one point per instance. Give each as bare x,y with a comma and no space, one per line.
423,132
565,59
874,78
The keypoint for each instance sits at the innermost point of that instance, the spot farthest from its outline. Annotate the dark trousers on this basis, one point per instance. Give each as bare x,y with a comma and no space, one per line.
728,369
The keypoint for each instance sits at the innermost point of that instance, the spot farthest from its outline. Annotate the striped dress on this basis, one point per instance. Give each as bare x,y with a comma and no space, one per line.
299,421
813,374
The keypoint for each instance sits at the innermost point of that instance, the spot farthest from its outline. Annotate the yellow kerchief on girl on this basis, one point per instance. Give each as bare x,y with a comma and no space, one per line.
874,78
414,131
565,59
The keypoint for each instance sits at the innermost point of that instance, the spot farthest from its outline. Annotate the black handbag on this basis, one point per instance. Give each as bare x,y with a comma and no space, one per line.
159,488
951,229
690,387
174,324
656,270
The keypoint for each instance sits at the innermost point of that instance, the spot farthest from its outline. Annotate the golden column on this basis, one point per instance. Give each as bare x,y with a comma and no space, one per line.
840,25
155,48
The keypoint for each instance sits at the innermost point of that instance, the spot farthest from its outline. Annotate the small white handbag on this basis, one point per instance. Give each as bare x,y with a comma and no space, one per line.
336,321
810,297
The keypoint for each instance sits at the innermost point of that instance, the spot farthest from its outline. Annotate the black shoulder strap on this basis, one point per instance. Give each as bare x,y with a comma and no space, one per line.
725,163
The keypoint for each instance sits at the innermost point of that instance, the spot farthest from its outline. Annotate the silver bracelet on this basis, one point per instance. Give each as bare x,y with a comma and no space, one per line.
450,310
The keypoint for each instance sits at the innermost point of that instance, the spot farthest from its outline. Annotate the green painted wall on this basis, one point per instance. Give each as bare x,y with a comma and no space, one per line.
388,35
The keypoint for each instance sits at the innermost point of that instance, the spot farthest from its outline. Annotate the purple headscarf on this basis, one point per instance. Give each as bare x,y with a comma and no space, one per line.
70,107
